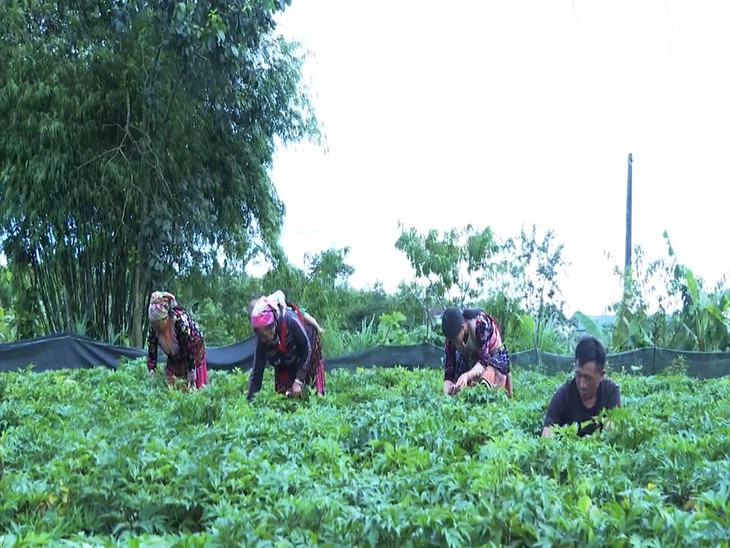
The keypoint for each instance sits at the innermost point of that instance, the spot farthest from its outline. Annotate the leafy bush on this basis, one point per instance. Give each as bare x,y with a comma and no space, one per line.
104,457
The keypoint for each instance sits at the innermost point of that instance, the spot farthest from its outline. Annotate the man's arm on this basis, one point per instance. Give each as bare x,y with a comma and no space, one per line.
554,415
547,432
614,398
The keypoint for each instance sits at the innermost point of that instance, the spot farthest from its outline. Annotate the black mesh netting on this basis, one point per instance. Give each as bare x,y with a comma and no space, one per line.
69,351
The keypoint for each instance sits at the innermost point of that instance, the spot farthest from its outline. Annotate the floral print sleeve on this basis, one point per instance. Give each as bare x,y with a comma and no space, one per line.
488,338
151,350
190,339
492,351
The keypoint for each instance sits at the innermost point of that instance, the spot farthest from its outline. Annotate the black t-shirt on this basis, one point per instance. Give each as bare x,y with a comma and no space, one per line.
566,406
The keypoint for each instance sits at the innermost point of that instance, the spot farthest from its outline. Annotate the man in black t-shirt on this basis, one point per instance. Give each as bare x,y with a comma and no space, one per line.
588,393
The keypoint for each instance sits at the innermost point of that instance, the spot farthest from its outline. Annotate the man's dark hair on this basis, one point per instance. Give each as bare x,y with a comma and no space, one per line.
451,321
590,349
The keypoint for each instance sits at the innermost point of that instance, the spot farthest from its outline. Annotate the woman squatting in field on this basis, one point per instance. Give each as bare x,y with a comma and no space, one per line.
473,351
288,343
172,328
278,299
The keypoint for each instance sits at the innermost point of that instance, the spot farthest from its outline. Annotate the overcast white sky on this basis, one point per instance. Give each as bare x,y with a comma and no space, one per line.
530,108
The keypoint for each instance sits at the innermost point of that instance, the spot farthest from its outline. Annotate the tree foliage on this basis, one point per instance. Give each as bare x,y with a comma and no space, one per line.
456,263
689,316
536,263
137,137
516,281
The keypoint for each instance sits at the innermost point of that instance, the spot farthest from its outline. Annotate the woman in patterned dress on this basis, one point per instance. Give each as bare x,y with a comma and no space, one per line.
473,351
178,335
278,299
288,343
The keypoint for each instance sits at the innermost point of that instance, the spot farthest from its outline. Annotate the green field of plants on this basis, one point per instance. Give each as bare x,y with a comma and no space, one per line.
139,141
100,457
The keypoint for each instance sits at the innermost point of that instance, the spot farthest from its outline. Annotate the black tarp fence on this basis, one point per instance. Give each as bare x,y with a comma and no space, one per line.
70,351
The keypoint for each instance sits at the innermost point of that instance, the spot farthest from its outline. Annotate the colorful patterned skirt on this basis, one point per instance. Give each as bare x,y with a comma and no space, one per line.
284,376
177,368
497,373
494,379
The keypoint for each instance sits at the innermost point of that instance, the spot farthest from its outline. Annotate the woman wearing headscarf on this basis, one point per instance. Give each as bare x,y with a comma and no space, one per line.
173,330
473,351
289,344
278,299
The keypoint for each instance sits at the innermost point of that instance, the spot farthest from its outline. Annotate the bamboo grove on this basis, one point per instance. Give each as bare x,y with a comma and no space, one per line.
137,137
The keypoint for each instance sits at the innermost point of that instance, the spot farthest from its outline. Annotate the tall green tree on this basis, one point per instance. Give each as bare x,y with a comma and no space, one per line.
322,287
137,139
537,262
457,263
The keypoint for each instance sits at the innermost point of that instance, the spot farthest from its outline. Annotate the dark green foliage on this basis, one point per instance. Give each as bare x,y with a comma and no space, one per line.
136,142
115,458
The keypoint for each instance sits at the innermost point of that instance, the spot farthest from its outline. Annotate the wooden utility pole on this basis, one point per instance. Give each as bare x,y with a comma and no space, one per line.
627,264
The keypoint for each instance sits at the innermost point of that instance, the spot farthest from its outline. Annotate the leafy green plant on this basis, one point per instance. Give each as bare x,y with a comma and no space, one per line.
536,263
114,458
688,317
8,330
706,325
677,367
219,327
593,329
339,343
458,261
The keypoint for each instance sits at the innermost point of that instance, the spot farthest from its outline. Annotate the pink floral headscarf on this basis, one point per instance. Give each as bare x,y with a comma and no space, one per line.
161,302
262,313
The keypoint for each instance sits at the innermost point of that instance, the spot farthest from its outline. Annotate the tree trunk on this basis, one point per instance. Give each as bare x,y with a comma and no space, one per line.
139,287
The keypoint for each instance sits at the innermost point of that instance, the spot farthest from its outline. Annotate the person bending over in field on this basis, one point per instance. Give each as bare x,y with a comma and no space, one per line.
290,345
473,351
279,301
172,328
584,396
